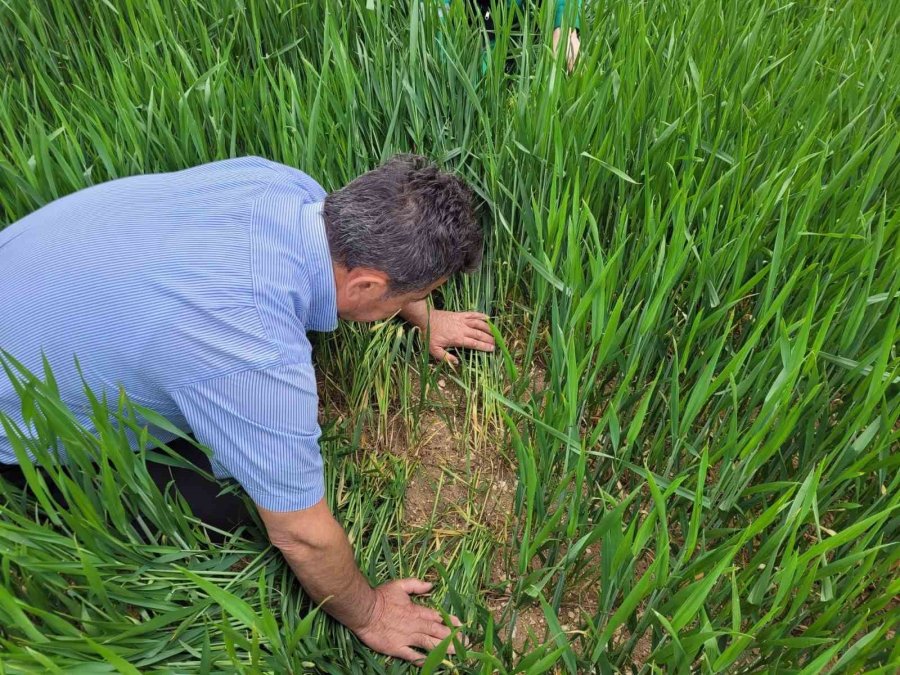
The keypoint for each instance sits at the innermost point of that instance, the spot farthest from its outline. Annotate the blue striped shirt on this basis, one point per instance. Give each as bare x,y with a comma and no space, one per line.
193,291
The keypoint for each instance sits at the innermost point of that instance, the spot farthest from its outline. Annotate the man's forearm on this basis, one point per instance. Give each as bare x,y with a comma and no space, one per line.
324,564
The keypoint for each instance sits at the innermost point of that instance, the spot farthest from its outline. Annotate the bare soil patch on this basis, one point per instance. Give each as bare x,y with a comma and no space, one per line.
453,486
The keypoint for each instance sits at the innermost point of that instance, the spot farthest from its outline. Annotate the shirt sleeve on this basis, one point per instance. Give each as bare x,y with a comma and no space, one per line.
261,426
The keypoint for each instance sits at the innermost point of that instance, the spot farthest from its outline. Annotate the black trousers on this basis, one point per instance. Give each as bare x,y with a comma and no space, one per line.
223,512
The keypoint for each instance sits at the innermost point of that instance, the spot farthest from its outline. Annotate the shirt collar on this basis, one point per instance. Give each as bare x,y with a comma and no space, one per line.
321,314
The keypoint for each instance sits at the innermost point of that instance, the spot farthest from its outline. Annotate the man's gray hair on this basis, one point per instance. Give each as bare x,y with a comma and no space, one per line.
408,219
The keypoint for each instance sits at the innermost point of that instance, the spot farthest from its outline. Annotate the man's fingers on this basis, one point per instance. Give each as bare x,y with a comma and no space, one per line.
481,333
476,315
473,342
414,586
444,356
479,324
409,654
428,615
439,630
429,642
455,621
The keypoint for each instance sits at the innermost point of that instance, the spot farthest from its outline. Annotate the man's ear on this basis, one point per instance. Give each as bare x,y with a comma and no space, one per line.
366,284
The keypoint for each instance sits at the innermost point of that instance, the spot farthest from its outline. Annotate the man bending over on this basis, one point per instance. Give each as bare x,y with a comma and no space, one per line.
194,292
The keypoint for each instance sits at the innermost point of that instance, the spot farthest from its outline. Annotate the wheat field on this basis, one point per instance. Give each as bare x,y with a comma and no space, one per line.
682,456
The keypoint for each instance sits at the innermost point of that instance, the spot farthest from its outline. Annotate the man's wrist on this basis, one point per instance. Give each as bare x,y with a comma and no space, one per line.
371,606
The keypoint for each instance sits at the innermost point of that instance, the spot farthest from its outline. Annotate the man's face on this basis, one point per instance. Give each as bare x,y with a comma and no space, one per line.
364,294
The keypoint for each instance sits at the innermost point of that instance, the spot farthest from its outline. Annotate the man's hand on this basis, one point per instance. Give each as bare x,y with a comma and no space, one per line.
398,625
572,48
450,329
385,618
457,329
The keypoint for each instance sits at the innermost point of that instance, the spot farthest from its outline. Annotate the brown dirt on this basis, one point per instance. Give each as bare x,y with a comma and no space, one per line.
538,378
453,488
428,491
642,649
643,646
529,630
241,564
